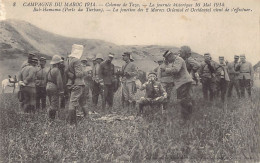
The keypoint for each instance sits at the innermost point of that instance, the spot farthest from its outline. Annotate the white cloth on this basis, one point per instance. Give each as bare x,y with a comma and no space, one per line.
76,51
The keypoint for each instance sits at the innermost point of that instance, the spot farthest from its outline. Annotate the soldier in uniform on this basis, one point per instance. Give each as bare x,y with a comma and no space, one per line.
191,64
208,77
27,85
222,78
97,88
246,75
233,75
107,74
54,86
75,84
26,63
154,93
40,83
182,81
128,73
87,69
166,80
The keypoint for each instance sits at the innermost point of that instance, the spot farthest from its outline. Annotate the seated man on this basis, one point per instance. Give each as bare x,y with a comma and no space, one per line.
155,93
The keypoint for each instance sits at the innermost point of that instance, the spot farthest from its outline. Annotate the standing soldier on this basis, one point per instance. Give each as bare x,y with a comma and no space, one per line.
75,84
97,82
107,74
166,80
222,78
246,75
191,64
208,76
182,81
64,98
154,92
233,75
40,83
26,63
128,73
54,86
87,70
27,85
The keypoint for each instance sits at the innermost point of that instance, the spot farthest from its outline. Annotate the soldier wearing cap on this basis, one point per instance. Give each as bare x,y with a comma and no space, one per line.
246,75
54,86
97,81
207,73
191,64
40,83
166,79
107,74
128,73
26,63
87,70
233,75
222,78
182,81
154,93
26,79
75,83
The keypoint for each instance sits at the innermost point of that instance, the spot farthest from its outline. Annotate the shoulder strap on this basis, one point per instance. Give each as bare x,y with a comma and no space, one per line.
125,67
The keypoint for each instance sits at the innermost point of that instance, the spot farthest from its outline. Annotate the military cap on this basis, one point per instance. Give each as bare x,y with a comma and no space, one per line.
236,57
207,54
56,59
242,56
221,57
99,56
84,59
31,54
167,53
186,49
34,60
42,59
152,72
126,53
111,55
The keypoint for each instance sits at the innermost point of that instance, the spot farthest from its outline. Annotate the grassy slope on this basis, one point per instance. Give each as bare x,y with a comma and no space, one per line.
214,133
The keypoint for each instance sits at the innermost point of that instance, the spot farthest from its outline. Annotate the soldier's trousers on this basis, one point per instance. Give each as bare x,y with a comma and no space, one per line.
128,89
96,91
208,87
77,100
184,94
40,97
53,96
233,83
152,102
245,84
28,103
168,88
222,86
108,94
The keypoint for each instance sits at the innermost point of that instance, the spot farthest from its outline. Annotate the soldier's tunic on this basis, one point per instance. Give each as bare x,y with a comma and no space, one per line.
54,88
208,79
128,82
192,67
222,80
182,81
87,70
246,75
155,94
234,81
76,87
40,83
166,80
107,74
97,88
27,75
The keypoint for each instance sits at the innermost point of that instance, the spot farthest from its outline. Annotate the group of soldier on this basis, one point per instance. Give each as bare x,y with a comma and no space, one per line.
69,81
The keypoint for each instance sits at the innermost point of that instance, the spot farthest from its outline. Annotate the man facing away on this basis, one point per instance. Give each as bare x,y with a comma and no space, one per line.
40,83
233,75
246,75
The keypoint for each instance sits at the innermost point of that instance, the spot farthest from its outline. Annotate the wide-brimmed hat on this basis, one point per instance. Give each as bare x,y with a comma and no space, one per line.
152,72
42,59
56,59
34,60
236,57
111,55
186,49
99,56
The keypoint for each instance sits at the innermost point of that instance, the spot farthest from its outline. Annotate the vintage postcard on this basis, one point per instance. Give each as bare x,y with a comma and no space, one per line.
130,80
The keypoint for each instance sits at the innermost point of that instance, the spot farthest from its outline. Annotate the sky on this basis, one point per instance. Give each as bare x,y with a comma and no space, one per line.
221,34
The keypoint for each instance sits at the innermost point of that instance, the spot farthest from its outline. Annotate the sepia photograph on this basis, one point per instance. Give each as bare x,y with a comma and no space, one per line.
173,81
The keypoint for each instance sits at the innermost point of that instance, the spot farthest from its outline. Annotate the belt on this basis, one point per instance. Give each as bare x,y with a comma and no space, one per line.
244,72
